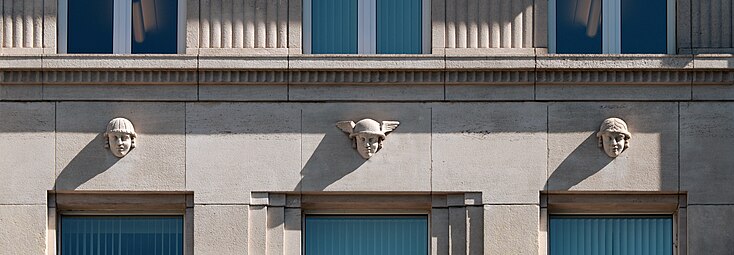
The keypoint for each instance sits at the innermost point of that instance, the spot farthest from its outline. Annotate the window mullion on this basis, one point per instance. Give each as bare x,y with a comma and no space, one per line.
367,26
122,27
611,26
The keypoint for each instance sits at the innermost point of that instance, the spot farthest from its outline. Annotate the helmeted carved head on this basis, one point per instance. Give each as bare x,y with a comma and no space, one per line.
367,134
613,136
120,136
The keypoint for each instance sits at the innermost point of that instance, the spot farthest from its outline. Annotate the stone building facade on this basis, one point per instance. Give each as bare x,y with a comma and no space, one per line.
237,133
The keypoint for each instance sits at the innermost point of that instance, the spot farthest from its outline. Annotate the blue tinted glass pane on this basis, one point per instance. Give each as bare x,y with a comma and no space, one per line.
154,26
119,235
89,26
578,26
399,26
644,26
366,235
611,235
334,26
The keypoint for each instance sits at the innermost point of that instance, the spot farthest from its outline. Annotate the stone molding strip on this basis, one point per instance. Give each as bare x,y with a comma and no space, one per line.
397,70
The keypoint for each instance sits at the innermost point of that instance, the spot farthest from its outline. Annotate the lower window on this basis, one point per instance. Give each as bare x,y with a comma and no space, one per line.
611,235
119,235
366,235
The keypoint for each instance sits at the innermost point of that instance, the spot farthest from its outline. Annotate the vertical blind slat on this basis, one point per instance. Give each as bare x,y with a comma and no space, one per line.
121,235
571,235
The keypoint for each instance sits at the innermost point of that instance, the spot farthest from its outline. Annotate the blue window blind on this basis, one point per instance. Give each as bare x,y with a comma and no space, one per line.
399,26
644,28
334,26
606,235
154,26
578,26
89,26
121,235
366,235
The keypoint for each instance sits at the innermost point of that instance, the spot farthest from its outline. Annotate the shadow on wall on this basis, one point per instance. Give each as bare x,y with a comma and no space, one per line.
583,162
321,169
91,161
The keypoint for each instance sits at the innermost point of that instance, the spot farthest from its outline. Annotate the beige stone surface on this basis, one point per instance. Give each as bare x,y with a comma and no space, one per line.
347,92
117,61
711,23
330,164
613,61
575,161
500,59
713,92
591,91
502,144
235,148
26,152
21,92
23,229
120,92
226,60
710,229
243,92
157,163
220,229
515,92
706,142
511,229
381,61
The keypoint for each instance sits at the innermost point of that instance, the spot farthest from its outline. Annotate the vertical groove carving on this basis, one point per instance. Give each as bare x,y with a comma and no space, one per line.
244,24
21,24
216,24
227,7
489,23
712,24
204,23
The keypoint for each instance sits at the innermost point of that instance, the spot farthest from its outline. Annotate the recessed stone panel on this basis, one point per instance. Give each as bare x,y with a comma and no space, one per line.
576,162
706,144
23,229
496,148
220,229
26,152
236,148
710,229
331,163
511,229
156,163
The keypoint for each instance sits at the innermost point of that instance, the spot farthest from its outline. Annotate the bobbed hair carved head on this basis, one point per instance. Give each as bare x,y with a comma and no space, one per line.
120,136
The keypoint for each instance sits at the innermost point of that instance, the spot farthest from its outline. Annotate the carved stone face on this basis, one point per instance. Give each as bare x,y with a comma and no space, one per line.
367,144
613,143
120,143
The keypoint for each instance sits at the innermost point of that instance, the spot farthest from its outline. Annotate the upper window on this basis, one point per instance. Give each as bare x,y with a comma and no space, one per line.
366,26
612,26
120,26
611,235
118,235
369,234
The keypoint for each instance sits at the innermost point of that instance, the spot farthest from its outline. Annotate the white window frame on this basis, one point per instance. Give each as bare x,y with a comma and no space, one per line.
367,26
612,26
121,26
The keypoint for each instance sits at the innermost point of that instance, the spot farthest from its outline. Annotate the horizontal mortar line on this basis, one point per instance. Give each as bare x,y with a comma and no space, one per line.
4,204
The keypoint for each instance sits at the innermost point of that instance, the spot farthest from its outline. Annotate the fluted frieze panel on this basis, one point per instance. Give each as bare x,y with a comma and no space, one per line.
614,77
374,77
489,77
119,77
712,23
243,77
243,24
489,24
713,77
22,23
21,77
